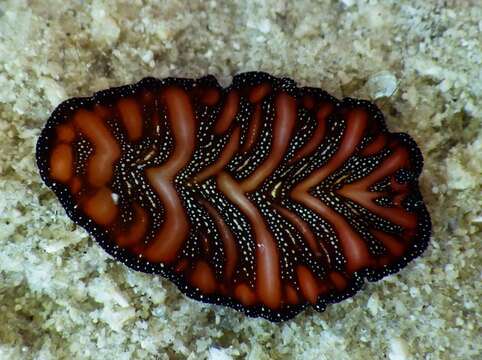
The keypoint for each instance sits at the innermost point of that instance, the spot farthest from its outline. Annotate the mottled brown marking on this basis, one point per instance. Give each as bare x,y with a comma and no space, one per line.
308,283
62,163
291,295
228,112
136,231
203,277
100,207
253,130
268,280
75,185
245,295
65,133
308,102
318,135
393,244
173,232
338,280
210,96
284,123
375,145
131,117
226,155
259,92
229,242
358,190
106,149
316,245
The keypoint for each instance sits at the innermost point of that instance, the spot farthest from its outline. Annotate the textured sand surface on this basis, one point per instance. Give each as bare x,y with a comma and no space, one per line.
62,297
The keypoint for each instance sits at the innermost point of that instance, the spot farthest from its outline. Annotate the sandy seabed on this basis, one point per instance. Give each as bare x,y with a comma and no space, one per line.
62,297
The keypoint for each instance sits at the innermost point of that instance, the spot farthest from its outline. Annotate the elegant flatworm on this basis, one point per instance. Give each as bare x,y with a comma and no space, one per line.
262,196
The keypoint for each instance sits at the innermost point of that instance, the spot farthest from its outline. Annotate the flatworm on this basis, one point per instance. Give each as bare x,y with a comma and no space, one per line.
262,196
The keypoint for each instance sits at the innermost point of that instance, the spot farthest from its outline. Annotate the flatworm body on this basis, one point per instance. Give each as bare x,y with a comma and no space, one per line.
263,196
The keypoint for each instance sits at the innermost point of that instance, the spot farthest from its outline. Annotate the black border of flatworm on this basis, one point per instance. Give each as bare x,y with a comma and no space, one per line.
66,108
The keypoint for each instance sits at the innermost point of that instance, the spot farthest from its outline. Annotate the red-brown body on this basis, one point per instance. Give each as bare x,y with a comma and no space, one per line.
262,196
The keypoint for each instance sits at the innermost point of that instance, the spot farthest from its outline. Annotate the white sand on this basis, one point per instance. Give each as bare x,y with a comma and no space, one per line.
62,297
